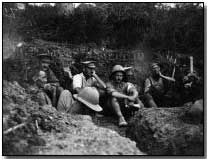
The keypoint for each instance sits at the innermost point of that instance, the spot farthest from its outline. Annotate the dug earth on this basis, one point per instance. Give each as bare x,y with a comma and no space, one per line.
45,131
30,129
169,131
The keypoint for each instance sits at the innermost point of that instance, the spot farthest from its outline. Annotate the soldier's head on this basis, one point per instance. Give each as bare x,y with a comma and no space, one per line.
129,74
41,79
155,69
118,73
88,68
45,61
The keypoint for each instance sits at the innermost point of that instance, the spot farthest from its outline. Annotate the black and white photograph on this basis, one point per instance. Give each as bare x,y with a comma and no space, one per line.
103,79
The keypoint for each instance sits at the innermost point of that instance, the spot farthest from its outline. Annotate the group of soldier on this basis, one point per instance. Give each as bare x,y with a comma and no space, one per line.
118,97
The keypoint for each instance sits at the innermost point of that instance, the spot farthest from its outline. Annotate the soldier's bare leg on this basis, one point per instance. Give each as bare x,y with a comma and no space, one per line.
150,101
117,110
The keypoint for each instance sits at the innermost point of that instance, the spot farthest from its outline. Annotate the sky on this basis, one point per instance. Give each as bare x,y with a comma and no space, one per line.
52,4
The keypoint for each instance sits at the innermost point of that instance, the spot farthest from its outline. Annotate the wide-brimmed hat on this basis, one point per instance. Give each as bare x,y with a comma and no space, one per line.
89,96
90,64
118,68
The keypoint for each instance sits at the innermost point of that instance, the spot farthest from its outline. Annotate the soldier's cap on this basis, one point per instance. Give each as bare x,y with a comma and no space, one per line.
89,64
44,57
154,65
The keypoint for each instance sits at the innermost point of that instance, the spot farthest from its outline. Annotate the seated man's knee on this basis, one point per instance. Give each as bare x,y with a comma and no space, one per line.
150,101
67,92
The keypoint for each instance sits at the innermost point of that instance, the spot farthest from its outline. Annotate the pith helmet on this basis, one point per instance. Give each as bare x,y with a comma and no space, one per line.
117,68
89,96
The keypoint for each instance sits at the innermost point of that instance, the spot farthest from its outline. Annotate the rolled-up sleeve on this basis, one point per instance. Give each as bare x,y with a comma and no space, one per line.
77,81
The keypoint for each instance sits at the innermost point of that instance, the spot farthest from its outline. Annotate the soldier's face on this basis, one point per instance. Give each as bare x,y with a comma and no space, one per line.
156,70
129,76
45,65
42,81
89,71
119,77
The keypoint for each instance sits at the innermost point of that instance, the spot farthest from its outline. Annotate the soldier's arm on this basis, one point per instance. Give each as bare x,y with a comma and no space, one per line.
147,86
77,90
167,78
101,83
115,93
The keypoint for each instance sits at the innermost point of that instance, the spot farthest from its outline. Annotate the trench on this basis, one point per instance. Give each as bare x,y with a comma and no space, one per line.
61,141
112,123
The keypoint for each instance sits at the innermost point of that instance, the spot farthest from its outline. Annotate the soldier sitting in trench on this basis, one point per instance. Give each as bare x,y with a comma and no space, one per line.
45,61
117,94
64,99
52,88
87,101
154,87
88,78
130,79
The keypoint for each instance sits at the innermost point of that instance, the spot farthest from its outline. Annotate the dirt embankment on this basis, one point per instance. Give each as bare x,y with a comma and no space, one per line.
169,131
31,129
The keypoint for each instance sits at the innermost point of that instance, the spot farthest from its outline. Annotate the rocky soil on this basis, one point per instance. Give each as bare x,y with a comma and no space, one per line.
168,131
33,130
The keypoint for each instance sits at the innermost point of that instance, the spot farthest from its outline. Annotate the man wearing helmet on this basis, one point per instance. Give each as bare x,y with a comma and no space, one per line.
117,91
154,87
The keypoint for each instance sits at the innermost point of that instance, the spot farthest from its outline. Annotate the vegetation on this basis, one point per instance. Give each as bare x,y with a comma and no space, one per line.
160,29
157,26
